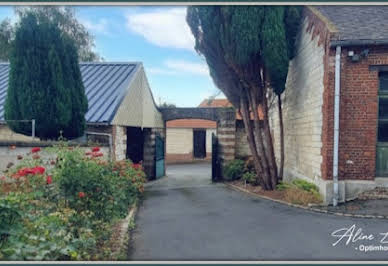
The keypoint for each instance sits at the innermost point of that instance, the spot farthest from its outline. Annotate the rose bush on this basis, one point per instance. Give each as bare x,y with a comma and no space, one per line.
63,208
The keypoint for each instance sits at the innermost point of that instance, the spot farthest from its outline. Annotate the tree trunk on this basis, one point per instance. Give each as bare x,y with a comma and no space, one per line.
250,138
280,111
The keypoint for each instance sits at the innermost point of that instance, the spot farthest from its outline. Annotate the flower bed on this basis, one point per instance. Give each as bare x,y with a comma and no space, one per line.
287,192
64,208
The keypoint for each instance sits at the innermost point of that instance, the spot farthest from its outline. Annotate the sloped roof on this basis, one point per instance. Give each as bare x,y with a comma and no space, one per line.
105,84
358,22
215,103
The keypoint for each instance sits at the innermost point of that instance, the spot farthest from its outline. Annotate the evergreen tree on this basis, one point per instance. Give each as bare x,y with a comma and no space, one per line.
45,82
247,49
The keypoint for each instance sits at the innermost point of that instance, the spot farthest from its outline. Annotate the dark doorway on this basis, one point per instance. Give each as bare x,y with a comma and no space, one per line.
135,143
199,143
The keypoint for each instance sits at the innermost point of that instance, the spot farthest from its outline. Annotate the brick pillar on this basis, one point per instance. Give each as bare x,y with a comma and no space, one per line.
226,133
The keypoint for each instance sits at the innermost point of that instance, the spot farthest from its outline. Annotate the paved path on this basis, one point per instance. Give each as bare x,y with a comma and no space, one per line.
185,217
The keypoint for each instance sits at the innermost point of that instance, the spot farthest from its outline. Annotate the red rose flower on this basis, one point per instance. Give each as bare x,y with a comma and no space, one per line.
96,149
35,149
49,180
81,194
97,154
38,170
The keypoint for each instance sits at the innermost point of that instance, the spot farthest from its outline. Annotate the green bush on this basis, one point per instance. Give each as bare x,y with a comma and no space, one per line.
249,177
65,209
305,185
283,186
234,170
97,186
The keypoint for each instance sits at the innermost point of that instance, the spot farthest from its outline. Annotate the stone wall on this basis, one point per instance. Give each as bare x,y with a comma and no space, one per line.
242,147
226,133
120,142
302,109
10,150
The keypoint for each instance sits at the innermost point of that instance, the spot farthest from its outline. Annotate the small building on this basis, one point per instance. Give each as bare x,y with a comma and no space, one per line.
189,140
344,49
121,107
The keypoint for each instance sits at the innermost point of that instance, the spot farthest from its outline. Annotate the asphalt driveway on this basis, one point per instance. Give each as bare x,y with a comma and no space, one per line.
186,217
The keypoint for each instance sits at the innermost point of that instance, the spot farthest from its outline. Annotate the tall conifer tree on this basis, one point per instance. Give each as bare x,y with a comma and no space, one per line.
45,82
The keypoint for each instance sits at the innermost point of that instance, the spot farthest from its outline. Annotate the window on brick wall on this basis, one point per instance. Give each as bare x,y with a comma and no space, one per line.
382,132
383,108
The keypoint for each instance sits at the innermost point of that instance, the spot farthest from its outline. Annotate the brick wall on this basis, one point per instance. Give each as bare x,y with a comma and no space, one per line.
358,115
302,108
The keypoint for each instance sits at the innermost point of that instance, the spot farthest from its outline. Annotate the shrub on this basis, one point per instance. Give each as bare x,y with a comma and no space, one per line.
249,177
305,185
234,170
64,210
104,188
300,196
283,186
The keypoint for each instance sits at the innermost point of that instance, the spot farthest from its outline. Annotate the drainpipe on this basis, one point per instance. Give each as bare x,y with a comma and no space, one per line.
336,123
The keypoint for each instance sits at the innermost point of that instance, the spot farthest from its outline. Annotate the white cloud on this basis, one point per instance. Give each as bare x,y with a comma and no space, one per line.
100,26
160,71
179,67
164,27
187,67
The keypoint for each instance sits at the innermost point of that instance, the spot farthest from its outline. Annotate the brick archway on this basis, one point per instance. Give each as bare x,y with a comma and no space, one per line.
226,125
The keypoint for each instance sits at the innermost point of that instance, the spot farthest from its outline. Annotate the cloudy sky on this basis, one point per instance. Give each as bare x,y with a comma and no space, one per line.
157,36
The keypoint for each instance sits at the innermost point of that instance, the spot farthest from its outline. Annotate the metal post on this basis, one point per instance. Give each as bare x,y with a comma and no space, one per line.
33,129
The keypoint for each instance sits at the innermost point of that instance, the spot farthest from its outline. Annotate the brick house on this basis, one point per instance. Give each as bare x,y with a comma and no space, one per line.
358,37
120,108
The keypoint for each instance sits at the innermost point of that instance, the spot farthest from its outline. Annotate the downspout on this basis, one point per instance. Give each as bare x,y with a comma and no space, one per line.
336,123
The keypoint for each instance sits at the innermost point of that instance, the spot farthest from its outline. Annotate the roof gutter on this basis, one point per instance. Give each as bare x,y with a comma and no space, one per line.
348,43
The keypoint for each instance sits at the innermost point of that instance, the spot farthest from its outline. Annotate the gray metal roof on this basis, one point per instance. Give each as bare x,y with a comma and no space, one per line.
105,84
358,22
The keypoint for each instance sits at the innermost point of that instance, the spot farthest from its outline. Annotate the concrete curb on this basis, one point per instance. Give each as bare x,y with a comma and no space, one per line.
123,238
310,208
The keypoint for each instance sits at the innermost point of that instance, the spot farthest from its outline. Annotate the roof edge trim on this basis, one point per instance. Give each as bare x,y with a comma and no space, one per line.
330,25
348,43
